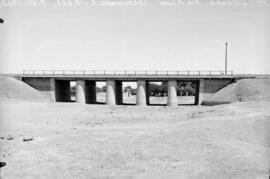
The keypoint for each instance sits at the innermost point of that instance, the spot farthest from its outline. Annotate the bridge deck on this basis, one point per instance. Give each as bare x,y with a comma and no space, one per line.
133,75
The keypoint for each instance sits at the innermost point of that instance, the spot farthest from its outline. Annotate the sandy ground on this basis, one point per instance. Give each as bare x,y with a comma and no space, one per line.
73,140
243,90
152,99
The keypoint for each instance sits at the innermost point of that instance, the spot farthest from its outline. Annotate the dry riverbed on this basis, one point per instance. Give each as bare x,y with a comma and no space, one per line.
69,140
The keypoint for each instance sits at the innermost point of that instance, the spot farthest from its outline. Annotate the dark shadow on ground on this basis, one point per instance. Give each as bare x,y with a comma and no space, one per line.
128,104
99,103
157,104
187,104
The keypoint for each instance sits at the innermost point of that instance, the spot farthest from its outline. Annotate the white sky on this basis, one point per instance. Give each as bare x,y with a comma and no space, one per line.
135,38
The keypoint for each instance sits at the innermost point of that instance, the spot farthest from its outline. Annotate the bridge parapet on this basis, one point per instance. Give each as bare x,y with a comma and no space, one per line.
166,73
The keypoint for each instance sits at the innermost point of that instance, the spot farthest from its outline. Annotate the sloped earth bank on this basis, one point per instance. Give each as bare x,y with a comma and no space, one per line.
243,90
13,89
98,141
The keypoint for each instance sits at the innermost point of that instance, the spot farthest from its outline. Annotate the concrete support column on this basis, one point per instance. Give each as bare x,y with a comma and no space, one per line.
199,92
80,91
172,94
141,97
119,92
110,92
147,93
90,92
62,91
52,90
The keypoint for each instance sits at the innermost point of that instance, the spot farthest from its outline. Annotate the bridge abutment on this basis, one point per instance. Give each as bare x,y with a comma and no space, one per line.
90,92
172,93
44,85
207,87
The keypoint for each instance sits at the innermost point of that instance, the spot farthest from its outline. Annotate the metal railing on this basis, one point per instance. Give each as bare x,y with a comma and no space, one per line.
123,73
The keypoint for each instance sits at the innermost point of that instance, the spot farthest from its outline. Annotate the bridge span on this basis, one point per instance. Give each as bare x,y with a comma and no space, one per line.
56,83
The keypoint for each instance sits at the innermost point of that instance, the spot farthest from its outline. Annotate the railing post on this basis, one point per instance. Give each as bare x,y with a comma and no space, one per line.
114,73
43,72
167,72
210,73
94,72
156,72
177,73
188,72
104,72
135,72
199,73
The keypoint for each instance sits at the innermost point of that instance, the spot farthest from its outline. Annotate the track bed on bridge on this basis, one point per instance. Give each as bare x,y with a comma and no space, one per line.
73,140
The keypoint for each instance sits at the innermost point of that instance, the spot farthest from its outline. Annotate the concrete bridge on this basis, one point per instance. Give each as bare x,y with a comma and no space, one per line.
56,83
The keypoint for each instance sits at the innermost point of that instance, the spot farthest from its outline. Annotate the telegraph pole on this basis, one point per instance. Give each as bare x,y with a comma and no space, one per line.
226,52
2,164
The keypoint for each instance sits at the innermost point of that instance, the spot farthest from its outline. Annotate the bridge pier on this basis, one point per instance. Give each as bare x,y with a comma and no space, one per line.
110,92
202,91
62,91
52,90
172,94
197,92
90,92
118,92
142,94
147,93
80,91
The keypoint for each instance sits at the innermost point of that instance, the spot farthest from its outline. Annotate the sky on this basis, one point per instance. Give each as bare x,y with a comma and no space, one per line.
135,38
